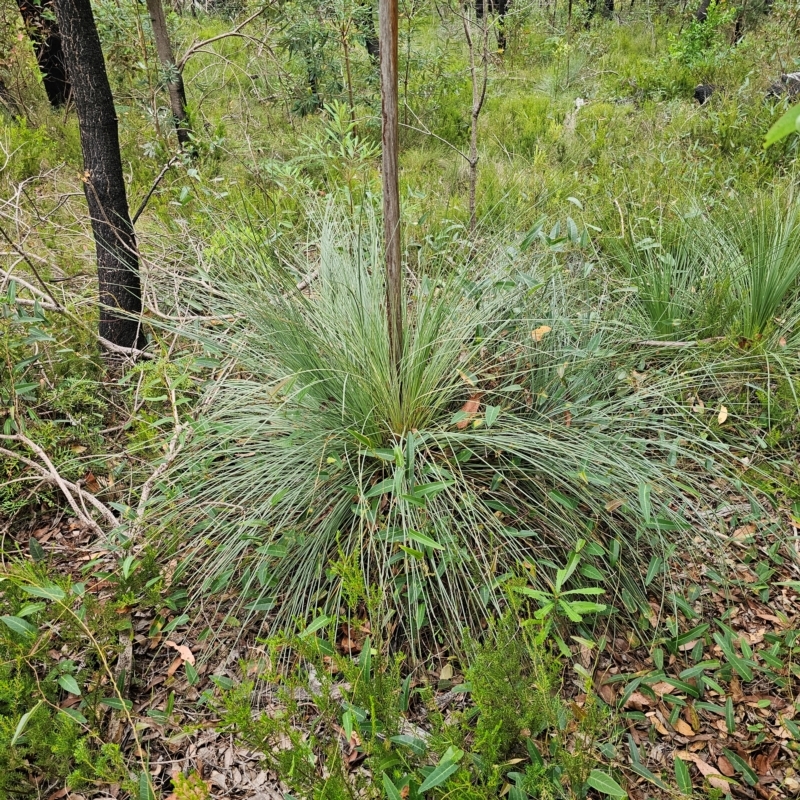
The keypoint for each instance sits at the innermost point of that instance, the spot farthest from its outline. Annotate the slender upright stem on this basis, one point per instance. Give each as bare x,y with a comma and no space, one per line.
391,190
177,92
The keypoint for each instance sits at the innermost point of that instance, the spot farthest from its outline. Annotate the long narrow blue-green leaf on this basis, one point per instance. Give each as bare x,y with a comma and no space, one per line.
788,124
23,722
438,776
605,784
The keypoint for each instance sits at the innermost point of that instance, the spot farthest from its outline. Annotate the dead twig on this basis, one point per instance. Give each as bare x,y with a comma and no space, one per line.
234,32
70,490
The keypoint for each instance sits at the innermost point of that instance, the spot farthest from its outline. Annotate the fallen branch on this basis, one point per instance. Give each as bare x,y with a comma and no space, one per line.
198,45
667,343
70,490
118,349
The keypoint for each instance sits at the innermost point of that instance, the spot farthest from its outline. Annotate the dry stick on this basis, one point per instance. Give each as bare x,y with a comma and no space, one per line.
25,258
235,32
154,187
478,99
175,445
50,475
114,348
667,343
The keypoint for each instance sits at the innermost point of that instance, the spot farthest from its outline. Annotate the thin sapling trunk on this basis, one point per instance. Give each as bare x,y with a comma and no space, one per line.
177,92
388,15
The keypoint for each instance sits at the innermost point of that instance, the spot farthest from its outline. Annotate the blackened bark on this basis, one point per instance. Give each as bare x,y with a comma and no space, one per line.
7,101
177,92
46,39
499,7
365,22
104,186
608,8
702,11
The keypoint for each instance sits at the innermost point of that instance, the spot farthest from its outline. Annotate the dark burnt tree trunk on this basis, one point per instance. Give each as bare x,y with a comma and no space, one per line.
702,11
117,257
500,7
608,8
7,101
177,92
365,22
44,35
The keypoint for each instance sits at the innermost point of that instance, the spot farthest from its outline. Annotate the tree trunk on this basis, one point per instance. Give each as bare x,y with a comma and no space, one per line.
390,178
7,101
478,99
117,257
702,11
366,27
46,39
177,93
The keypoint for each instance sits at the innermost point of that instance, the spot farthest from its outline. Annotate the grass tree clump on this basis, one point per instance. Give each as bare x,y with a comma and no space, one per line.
734,273
516,427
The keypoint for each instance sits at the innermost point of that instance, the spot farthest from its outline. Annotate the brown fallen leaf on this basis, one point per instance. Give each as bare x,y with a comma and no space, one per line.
174,666
183,651
725,766
683,728
638,701
470,408
91,483
662,688
714,776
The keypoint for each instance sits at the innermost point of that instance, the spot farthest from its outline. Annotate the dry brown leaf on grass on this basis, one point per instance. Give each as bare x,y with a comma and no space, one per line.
539,333
470,408
183,651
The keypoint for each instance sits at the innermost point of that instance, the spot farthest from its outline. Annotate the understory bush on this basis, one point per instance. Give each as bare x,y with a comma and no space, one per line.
517,427
511,733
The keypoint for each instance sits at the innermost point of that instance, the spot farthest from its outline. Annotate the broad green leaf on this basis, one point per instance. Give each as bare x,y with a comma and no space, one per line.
741,766
391,790
682,776
50,592
116,703
730,719
788,124
442,772
23,722
315,625
425,541
491,414
74,715
69,684
20,626
417,746
605,784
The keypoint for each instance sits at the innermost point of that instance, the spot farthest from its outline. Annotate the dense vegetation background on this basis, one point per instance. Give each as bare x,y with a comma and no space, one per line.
552,553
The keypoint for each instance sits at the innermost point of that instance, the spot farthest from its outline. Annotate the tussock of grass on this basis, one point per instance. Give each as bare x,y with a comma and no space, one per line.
314,450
